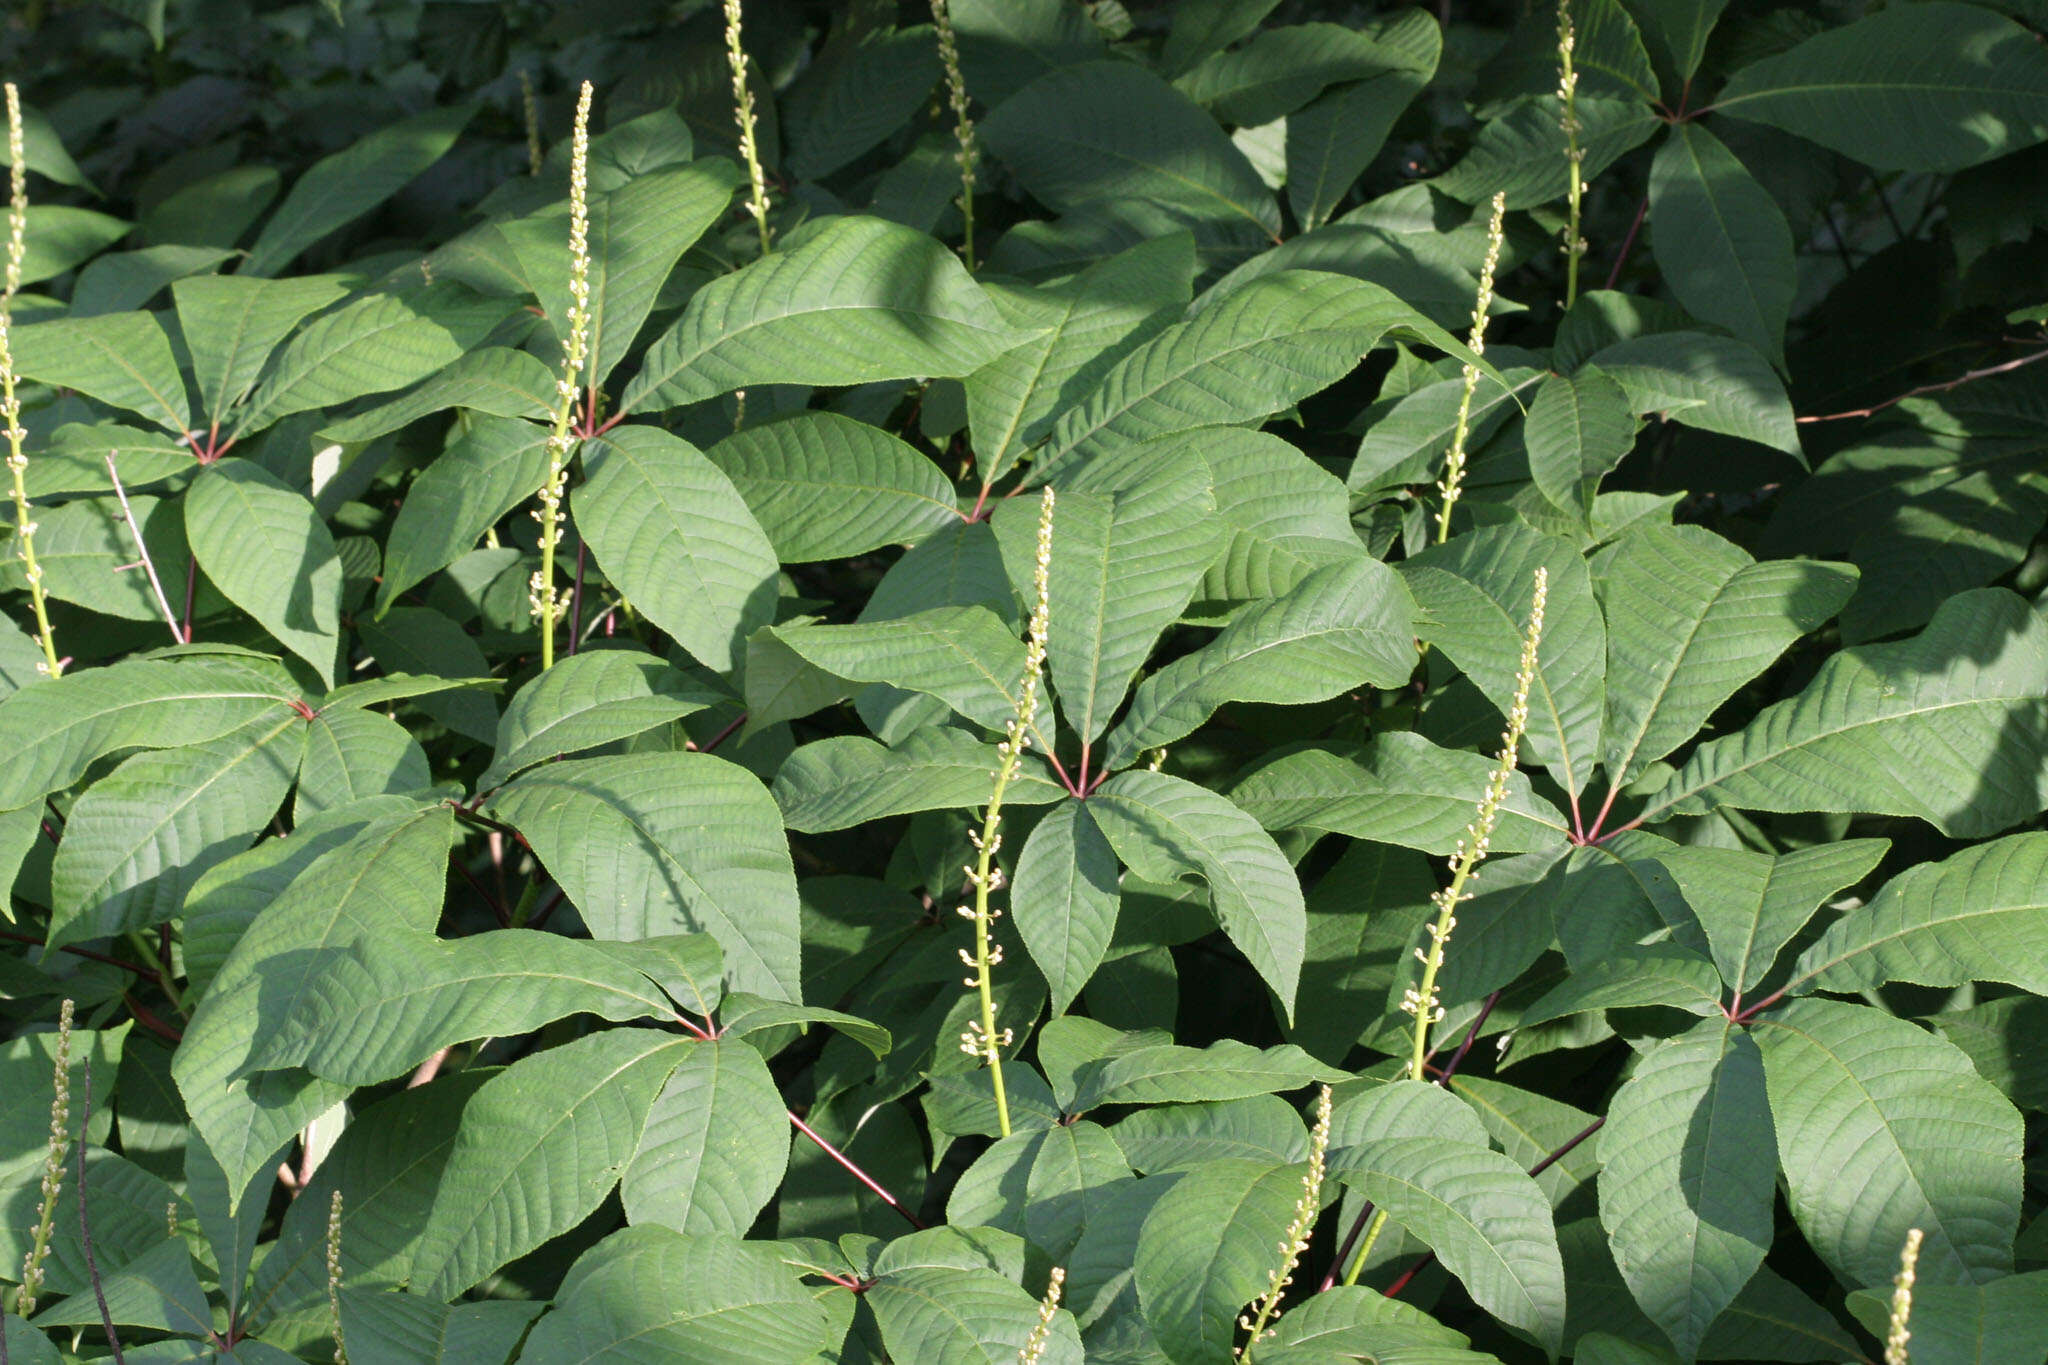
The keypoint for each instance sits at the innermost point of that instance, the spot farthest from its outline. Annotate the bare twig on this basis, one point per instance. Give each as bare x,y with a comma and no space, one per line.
1968,377
156,584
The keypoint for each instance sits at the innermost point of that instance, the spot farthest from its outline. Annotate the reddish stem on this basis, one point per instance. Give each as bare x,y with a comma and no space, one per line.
724,734
858,1174
1760,1006
1943,387
576,602
146,973
1593,836
1628,243
150,1021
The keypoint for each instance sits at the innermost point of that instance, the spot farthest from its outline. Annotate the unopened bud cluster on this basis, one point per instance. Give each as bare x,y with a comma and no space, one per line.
743,114
1568,121
1896,1334
963,126
53,1166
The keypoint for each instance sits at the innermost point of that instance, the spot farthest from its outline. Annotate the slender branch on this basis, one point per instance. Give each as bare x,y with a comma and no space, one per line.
191,590
156,584
723,735
92,1268
146,973
497,906
1971,376
1628,242
150,1021
576,601
858,1174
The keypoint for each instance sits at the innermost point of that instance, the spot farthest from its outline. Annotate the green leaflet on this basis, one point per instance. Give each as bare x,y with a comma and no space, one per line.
1935,87
1164,828
844,781
661,843
1065,899
825,486
1884,1127
714,1148
1687,1182
265,547
233,322
1721,239
1976,916
671,531
390,1001
1902,729
1208,1248
858,300
540,1145
142,835
1343,624
122,359
589,700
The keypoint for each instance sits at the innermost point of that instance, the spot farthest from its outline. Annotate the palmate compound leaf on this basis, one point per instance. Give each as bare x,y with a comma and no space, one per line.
1950,726
232,323
1207,1248
1929,87
58,728
1165,828
1883,1127
1279,339
1487,1221
855,301
637,233
965,656
540,1146
122,359
1688,1177
672,533
389,877
1112,130
1749,905
646,845
824,486
1721,240
1344,624
496,464
1126,560
1397,788
588,700
137,840
1064,899
1690,619
650,1293
1474,593
390,1001
846,780
715,1146
1082,325
1979,915
264,545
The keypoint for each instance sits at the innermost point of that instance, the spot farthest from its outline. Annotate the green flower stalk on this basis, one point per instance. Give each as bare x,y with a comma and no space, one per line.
743,112
1454,459
1575,155
1421,1000
980,1039
1048,1307
53,1168
1896,1335
10,401
548,602
334,1275
963,126
1295,1244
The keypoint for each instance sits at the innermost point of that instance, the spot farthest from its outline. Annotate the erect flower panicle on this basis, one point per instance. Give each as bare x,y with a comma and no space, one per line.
1896,1335
1421,1000
1295,1244
743,113
1454,459
1048,1308
10,401
334,1275
53,1170
546,601
1575,155
981,1038
963,126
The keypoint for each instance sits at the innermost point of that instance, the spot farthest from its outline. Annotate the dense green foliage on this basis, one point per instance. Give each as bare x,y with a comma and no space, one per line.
612,1010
